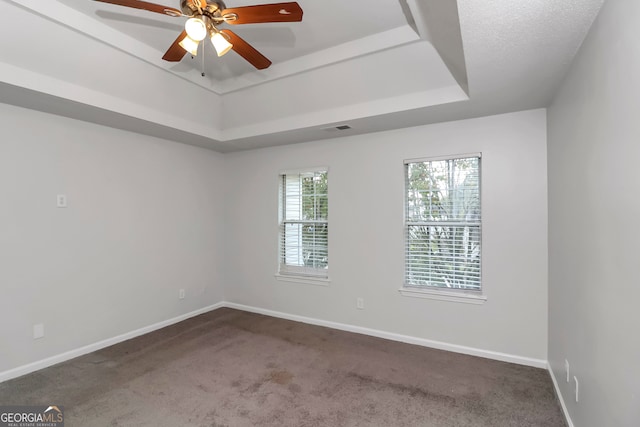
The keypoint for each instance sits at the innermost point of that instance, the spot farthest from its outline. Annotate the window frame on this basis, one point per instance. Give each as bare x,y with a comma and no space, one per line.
471,296
292,273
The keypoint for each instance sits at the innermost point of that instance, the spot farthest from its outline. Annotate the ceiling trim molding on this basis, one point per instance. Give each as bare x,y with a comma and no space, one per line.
403,102
93,28
47,85
389,39
438,23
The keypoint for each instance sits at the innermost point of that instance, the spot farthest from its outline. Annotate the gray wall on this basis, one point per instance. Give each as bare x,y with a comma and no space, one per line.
147,217
144,219
594,204
366,246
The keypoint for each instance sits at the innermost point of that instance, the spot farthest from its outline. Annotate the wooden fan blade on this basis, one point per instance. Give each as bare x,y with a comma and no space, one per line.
247,51
276,12
175,51
151,7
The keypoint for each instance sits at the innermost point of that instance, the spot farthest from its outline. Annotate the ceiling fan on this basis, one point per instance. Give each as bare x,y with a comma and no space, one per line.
204,18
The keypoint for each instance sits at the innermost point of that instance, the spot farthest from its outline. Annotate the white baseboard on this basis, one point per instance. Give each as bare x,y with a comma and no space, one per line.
41,364
560,398
520,360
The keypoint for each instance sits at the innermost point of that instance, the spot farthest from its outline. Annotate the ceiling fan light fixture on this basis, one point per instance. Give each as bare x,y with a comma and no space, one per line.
190,45
220,43
196,28
204,15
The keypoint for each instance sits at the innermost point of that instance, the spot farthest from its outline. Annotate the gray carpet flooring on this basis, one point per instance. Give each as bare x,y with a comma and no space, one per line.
232,368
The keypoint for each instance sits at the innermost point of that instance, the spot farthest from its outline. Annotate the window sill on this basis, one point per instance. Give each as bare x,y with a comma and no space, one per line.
307,280
442,295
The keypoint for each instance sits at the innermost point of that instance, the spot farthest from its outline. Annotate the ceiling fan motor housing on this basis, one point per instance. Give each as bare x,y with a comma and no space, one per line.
189,7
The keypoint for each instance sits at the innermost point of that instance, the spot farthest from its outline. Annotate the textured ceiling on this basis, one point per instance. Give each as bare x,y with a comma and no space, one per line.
400,63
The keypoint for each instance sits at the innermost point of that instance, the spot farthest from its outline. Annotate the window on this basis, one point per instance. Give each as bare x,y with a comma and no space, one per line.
304,228
443,223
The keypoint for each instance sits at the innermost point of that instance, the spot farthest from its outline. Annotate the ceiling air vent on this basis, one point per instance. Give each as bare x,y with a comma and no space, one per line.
337,128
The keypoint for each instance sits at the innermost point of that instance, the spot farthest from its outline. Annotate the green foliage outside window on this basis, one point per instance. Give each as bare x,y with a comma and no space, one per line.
304,222
443,223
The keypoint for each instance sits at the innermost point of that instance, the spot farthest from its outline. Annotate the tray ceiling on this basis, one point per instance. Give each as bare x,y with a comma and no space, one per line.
374,65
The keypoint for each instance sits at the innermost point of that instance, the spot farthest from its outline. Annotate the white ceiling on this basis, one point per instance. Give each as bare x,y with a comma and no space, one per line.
400,63
341,22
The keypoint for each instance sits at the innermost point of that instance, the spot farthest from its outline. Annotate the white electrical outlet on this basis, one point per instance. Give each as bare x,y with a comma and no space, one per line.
61,201
181,294
360,303
577,387
38,331
566,369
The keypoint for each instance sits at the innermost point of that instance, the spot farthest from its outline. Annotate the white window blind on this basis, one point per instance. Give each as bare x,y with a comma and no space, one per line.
443,223
304,227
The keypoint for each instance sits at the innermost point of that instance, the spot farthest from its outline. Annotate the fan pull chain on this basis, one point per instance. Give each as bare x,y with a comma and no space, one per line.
203,49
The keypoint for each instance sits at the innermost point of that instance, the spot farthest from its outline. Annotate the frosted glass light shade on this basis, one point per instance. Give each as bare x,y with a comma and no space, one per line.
196,29
190,45
220,43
